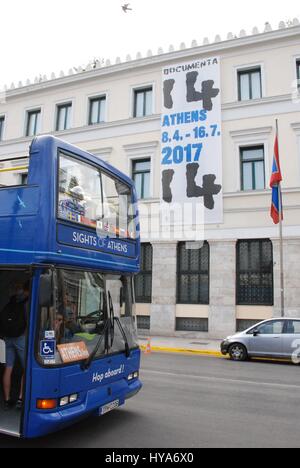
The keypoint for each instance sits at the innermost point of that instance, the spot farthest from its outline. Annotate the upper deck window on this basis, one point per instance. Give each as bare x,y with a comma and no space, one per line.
92,198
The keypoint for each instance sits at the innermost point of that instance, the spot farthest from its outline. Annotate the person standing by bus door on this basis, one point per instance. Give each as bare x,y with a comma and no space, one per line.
13,325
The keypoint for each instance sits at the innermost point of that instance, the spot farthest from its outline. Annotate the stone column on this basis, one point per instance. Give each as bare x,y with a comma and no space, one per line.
164,270
291,265
222,312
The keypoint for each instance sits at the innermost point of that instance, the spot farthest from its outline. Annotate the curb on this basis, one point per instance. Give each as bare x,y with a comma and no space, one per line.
217,354
183,351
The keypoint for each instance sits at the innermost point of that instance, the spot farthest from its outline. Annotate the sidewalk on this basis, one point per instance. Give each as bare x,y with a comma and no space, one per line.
182,345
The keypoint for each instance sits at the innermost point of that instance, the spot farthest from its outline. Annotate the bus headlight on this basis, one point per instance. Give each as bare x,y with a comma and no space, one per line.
64,401
73,398
68,400
134,375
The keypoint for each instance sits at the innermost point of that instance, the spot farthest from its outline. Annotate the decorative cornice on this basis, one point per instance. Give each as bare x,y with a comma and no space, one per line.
17,162
296,127
107,125
149,124
237,134
257,102
141,147
217,47
259,210
259,193
102,152
254,193
94,129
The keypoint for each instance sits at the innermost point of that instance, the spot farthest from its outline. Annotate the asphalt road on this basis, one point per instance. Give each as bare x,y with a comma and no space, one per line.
196,402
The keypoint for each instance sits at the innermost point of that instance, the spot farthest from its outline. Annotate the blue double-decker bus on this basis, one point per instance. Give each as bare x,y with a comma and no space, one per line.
69,249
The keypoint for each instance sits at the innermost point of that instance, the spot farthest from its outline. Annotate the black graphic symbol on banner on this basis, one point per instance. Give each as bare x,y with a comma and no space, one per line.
168,88
207,191
207,94
167,177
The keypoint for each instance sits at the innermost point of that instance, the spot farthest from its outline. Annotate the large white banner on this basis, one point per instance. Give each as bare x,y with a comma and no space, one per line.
191,162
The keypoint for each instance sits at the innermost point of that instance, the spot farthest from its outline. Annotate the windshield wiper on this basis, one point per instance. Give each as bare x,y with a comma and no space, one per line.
86,364
113,318
127,349
109,325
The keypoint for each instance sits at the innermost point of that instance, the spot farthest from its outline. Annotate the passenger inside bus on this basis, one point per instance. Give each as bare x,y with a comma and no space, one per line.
59,328
14,314
68,311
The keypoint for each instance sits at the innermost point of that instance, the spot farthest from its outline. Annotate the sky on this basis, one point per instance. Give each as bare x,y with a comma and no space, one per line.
45,36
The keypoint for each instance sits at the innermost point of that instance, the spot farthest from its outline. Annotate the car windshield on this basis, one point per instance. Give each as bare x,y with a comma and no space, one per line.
72,323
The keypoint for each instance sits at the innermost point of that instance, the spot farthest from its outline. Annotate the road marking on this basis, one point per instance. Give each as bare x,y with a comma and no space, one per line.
221,379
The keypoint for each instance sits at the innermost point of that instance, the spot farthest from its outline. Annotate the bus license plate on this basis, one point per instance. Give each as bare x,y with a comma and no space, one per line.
109,407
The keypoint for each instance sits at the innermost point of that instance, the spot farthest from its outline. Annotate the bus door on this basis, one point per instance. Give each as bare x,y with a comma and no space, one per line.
14,324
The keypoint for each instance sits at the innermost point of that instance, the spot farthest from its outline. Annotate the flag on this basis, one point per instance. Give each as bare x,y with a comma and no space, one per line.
276,178
276,193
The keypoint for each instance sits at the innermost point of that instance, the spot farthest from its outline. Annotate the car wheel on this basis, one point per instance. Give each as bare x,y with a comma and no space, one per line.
238,352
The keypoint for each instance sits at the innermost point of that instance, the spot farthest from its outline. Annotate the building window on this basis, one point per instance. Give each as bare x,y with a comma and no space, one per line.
192,274
244,324
253,168
2,119
192,324
63,120
97,110
143,281
143,322
33,123
255,272
298,72
250,84
141,174
143,102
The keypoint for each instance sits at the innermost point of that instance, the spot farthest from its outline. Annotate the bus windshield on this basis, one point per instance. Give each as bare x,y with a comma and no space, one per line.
72,323
92,198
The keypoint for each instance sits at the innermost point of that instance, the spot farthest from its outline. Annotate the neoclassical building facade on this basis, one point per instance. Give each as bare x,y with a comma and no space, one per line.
114,111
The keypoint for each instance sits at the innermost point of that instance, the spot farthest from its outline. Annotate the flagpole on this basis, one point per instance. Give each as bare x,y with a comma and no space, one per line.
280,242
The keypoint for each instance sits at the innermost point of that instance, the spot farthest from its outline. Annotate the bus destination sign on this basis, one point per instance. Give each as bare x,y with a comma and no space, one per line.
92,241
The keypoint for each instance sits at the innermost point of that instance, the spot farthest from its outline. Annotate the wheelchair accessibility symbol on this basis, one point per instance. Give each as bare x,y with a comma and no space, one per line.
47,349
